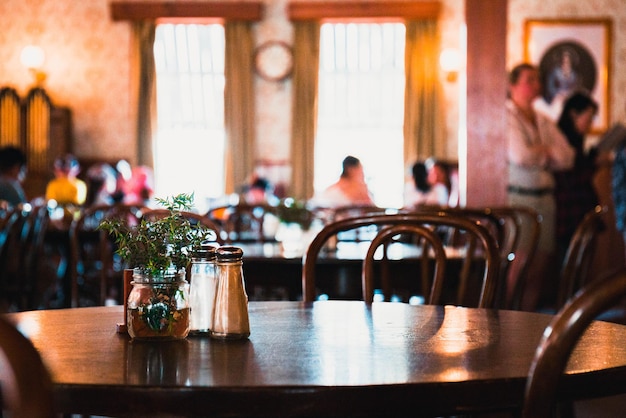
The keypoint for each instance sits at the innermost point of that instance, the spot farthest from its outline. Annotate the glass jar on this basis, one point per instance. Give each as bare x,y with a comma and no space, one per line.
230,320
203,287
158,306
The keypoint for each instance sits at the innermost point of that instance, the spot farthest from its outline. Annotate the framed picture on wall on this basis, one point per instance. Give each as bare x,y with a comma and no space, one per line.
571,55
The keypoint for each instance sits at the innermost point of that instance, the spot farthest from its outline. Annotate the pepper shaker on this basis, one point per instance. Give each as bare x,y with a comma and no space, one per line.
230,320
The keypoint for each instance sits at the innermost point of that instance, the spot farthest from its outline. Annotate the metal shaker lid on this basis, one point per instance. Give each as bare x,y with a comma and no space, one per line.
205,252
229,253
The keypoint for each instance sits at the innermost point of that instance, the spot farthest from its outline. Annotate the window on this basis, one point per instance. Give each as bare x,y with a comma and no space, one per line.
361,106
189,142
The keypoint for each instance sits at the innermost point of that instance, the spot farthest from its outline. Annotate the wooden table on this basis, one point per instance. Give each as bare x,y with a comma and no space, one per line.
333,358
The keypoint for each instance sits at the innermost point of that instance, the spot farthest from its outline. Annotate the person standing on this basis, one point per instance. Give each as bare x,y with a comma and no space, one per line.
536,148
12,174
575,193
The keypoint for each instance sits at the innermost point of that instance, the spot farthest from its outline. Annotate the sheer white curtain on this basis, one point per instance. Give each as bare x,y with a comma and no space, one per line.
189,141
361,105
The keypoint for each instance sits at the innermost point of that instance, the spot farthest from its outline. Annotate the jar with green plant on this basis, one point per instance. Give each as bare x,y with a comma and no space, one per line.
159,252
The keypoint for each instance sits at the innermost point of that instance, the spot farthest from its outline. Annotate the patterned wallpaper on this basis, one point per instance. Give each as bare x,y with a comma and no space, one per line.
87,62
87,66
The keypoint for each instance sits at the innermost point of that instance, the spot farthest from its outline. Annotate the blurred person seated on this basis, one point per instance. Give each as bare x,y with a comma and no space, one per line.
259,191
101,181
12,175
416,189
135,185
66,188
439,180
350,189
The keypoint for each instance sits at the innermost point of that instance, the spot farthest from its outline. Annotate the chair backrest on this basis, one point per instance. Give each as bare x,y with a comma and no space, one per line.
25,382
23,241
502,227
194,218
487,247
243,222
351,211
516,230
93,266
428,240
560,338
524,224
579,256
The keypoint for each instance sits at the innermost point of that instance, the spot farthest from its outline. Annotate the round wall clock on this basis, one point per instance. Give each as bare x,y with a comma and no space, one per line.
273,60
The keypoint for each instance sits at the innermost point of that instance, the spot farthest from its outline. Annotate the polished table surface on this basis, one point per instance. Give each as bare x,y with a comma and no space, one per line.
332,358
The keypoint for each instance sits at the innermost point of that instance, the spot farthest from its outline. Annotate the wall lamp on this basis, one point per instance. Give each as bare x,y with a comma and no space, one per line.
450,63
33,57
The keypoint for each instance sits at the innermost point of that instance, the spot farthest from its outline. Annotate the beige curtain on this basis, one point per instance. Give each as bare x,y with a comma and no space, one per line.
423,129
305,81
142,65
239,112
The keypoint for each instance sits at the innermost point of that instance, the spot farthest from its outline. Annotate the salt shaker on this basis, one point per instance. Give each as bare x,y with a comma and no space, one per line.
230,320
203,290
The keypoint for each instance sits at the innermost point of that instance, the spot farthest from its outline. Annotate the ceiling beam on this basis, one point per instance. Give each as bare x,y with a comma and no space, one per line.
314,10
153,9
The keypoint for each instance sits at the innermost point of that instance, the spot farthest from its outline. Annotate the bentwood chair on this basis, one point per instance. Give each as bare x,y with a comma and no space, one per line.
526,224
244,222
516,230
479,249
560,338
20,253
25,383
576,267
351,211
96,271
428,240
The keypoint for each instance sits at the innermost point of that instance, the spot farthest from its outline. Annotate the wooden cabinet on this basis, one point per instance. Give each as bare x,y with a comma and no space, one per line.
43,131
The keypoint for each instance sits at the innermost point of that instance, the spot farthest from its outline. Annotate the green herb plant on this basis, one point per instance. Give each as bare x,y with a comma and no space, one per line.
294,211
155,247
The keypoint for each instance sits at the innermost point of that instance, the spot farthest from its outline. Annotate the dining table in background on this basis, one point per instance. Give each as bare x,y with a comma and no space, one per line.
273,271
326,358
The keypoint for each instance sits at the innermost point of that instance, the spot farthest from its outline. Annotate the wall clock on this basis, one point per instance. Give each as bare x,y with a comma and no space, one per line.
273,60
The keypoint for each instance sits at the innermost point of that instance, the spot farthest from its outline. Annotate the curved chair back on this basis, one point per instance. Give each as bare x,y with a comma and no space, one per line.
242,222
526,224
560,338
579,256
476,232
428,240
25,382
94,269
516,230
22,247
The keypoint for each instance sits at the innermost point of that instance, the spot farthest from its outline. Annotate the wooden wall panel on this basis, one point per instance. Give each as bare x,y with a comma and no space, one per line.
487,174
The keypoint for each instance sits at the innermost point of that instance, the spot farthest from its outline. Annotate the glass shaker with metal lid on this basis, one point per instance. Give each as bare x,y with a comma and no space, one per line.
203,288
230,320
